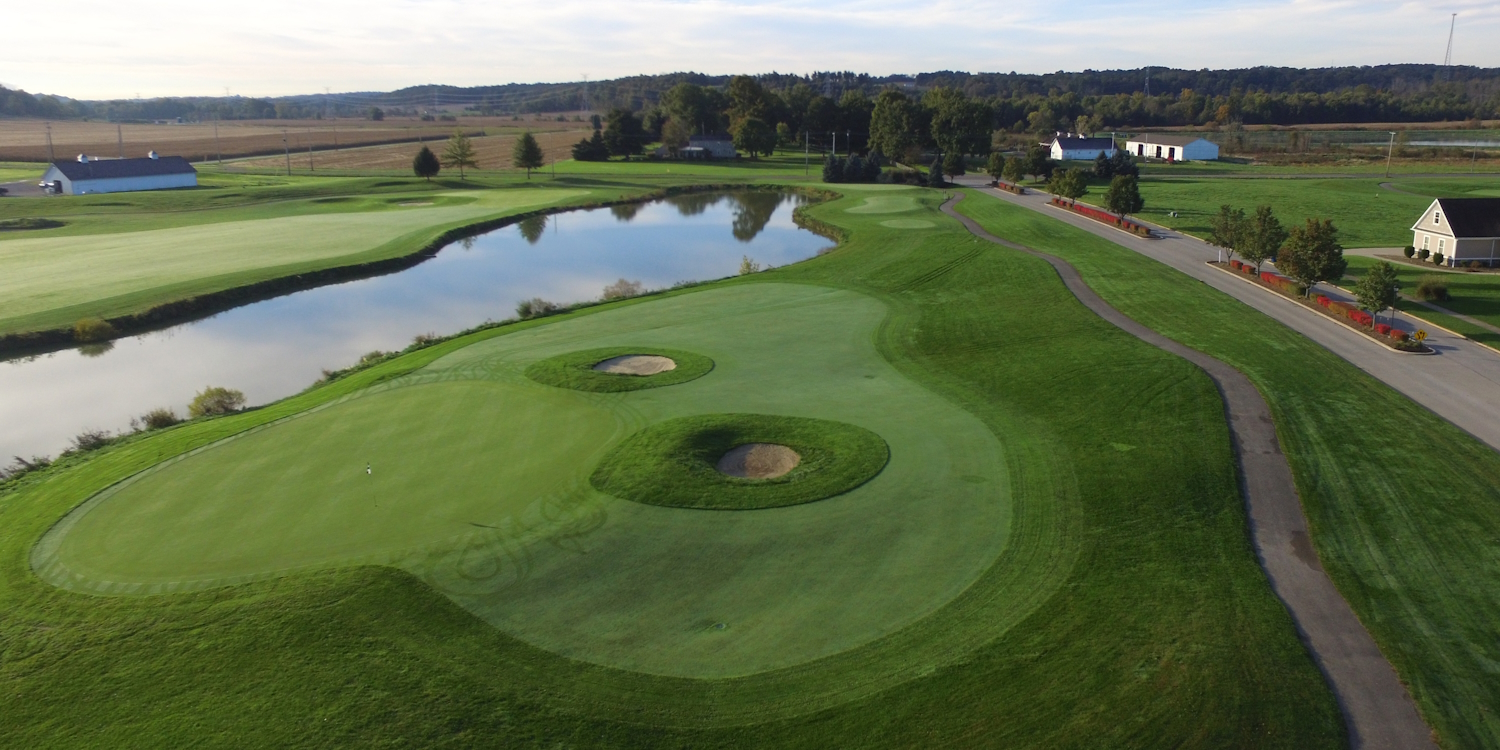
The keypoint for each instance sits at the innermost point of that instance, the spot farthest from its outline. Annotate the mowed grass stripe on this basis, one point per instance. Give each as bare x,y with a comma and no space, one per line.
1404,507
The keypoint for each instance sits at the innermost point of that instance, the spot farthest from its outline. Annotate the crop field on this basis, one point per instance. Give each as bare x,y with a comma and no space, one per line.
52,281
1404,507
491,151
26,139
1059,526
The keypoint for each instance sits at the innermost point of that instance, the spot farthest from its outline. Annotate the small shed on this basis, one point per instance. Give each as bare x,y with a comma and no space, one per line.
1172,147
92,175
716,146
1067,147
1464,230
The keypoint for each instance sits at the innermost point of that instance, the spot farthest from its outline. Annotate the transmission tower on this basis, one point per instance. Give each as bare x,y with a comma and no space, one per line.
1448,56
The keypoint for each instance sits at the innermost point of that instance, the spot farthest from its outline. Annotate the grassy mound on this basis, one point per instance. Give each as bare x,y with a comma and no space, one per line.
672,463
576,370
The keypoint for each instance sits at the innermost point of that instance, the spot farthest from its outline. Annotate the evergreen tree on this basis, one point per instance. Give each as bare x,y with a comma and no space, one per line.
591,149
872,168
527,154
1312,254
1122,164
1123,196
459,153
1104,168
833,169
623,133
426,164
935,173
854,169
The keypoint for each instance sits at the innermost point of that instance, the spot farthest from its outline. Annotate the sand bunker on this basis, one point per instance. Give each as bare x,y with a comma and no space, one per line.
758,461
636,364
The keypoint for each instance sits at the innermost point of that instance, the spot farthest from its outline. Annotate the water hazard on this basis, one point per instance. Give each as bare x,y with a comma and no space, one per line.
277,347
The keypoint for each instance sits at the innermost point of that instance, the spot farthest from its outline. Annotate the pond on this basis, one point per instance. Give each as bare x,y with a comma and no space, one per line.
278,347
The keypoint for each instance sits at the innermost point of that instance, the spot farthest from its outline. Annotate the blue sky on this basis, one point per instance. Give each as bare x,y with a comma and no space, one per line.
121,48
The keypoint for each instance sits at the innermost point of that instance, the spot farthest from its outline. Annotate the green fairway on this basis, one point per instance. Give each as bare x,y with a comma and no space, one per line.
1404,507
1056,555
48,282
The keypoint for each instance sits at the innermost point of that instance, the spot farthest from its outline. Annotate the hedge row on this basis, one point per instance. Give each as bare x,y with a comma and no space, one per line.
1108,218
1007,187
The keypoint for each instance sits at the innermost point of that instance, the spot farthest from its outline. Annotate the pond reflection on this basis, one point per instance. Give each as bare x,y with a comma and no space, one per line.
277,347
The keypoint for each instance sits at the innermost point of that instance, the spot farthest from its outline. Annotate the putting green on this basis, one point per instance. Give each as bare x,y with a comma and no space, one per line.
480,486
886,204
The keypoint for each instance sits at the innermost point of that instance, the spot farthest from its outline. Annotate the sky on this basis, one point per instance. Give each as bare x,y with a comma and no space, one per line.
93,49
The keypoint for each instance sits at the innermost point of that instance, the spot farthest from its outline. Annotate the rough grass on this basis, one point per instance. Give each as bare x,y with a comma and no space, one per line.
1404,507
673,463
576,370
1126,609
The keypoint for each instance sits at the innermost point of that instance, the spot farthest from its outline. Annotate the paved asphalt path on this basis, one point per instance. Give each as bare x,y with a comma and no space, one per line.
1460,384
1377,709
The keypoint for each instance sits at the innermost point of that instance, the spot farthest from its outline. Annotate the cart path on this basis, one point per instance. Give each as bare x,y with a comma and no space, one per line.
1377,709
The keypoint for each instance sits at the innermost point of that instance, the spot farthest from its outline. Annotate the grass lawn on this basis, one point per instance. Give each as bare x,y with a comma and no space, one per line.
1476,295
1092,587
1404,507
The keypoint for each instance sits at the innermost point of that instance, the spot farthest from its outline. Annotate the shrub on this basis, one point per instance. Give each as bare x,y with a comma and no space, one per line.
423,339
1437,259
1432,288
1398,334
623,289
1383,329
157,419
1409,250
93,329
1423,253
214,400
1236,265
372,357
90,440
748,266
1475,266
21,466
535,307
1322,300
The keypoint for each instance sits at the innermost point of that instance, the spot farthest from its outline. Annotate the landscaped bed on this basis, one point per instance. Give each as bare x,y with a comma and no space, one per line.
1344,312
1103,217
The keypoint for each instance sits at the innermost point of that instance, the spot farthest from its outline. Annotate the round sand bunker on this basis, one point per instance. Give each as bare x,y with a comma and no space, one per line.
758,461
636,364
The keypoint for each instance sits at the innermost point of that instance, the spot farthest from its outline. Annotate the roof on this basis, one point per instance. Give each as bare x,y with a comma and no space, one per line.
707,138
1166,140
107,169
1082,144
1472,217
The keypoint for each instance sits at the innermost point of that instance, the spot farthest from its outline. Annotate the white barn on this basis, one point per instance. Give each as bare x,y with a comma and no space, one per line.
89,175
1079,148
1172,147
1464,230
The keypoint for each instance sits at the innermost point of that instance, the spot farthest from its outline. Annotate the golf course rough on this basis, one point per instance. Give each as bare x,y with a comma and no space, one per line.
674,463
577,370
479,484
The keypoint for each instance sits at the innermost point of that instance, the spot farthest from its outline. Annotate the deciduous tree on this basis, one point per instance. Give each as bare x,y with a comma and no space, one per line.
1123,196
459,153
995,167
1312,254
1378,288
1229,229
1069,183
1263,238
755,137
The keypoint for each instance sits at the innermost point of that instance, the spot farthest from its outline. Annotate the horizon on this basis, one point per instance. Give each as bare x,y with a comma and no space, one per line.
400,44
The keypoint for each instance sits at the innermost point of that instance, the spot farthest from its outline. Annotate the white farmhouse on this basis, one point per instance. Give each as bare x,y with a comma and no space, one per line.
1464,230
1172,147
89,175
1078,148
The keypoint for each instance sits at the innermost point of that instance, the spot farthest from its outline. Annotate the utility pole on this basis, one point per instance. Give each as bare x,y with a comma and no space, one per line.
1448,56
286,146
50,155
835,135
806,152
120,139
1390,149
309,150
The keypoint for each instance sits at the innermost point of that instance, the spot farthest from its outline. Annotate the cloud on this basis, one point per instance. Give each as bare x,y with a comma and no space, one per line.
175,47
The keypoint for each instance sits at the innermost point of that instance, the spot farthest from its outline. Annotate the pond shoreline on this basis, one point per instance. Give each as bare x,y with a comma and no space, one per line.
189,309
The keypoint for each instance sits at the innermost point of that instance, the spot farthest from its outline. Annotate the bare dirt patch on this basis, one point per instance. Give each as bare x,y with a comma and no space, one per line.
758,461
636,364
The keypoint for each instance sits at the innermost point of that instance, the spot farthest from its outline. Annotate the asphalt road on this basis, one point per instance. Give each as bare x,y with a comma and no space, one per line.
1460,384
1378,711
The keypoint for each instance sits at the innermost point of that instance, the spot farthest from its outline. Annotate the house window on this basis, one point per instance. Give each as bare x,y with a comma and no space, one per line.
1441,244
1426,242
1437,217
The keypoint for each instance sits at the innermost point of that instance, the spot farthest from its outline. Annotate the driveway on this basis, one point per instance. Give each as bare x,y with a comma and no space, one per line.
1461,383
